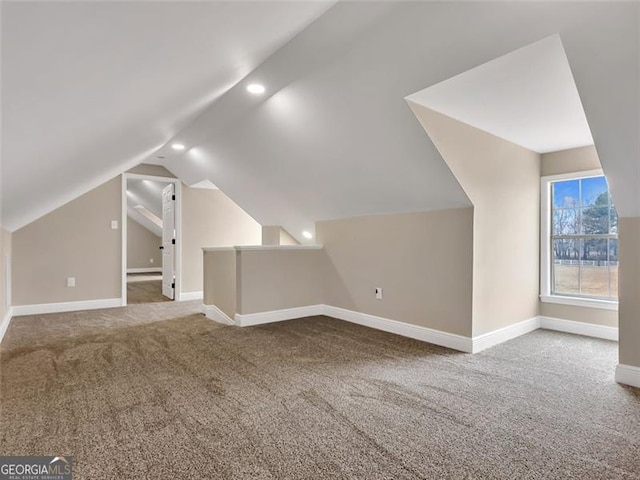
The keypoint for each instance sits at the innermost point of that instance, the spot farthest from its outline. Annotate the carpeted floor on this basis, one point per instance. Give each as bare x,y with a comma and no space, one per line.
159,391
145,288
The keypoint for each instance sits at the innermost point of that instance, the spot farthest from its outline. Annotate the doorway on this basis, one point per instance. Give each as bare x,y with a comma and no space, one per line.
151,239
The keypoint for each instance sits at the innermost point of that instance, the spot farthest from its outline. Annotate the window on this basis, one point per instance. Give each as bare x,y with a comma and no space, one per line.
579,262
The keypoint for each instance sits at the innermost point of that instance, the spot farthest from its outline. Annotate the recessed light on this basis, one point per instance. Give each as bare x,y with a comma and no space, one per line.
255,88
177,146
307,235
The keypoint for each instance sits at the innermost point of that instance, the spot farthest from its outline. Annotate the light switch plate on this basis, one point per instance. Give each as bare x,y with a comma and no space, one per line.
71,281
114,224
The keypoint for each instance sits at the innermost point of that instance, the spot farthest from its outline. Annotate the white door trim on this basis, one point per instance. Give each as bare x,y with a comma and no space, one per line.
123,224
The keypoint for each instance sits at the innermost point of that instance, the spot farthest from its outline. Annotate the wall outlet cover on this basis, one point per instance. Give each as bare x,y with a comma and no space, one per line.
71,281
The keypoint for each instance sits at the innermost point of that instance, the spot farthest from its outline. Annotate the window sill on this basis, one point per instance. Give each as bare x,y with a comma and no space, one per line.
580,302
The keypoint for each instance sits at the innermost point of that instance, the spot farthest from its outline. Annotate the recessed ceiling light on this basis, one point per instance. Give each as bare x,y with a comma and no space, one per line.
307,235
177,146
255,88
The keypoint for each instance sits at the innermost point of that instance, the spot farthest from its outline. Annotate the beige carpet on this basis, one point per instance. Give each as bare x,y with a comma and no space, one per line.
158,391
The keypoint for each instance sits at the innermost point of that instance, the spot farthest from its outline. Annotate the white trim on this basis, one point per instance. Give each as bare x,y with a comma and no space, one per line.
4,326
596,172
278,247
155,178
580,302
19,310
144,270
186,296
214,313
123,223
490,339
437,337
239,248
628,374
579,328
250,319
429,335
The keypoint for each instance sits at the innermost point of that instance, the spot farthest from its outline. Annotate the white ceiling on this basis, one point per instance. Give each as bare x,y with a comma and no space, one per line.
95,89
90,88
528,97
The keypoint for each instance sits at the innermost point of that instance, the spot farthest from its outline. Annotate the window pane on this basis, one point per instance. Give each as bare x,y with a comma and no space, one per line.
613,267
613,221
565,194
566,271
595,191
566,221
594,271
595,220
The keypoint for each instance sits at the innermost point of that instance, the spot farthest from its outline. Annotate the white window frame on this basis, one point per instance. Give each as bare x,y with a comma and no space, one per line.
545,246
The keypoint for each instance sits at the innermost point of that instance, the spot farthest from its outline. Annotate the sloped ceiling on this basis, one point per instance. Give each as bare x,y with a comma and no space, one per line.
528,97
332,136
89,89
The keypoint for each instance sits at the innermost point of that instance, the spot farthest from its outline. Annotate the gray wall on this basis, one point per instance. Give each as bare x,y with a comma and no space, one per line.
629,290
76,240
142,246
5,263
210,219
422,261
220,288
502,180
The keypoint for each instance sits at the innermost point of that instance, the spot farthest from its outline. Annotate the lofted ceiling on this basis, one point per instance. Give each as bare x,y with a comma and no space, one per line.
89,89
528,97
332,135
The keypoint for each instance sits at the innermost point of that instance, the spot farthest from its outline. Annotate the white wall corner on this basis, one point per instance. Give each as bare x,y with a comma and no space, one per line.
490,339
579,328
19,310
214,313
251,319
437,337
185,296
628,375
4,326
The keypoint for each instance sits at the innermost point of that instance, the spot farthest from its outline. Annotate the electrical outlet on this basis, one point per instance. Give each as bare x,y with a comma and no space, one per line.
114,224
378,293
71,281
151,260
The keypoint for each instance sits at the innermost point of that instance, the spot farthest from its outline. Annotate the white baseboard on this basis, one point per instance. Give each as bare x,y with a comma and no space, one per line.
19,310
579,328
145,270
250,319
437,337
214,313
185,296
628,374
490,339
4,326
